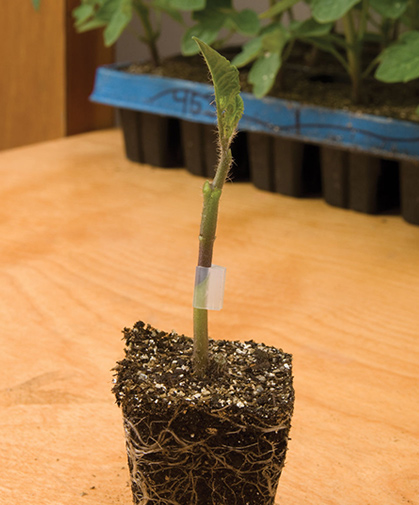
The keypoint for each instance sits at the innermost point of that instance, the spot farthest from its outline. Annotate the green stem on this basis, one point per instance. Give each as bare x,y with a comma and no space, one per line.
291,15
229,107
415,15
370,67
200,350
352,54
354,45
150,36
332,51
208,224
212,194
277,17
288,51
363,22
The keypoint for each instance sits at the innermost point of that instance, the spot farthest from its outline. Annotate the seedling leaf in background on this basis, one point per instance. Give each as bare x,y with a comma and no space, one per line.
187,5
325,11
245,22
250,51
278,8
119,20
390,8
310,28
263,73
167,7
207,32
400,61
216,15
266,52
82,13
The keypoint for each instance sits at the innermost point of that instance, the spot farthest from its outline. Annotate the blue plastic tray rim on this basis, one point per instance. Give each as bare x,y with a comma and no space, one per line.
193,101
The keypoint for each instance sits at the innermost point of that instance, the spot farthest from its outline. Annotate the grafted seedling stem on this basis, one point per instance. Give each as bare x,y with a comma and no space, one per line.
229,106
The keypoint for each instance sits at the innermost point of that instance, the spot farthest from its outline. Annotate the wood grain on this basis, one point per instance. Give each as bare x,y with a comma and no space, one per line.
47,74
90,243
32,84
84,53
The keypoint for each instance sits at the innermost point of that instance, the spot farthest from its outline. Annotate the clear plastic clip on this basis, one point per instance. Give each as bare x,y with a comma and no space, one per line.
209,287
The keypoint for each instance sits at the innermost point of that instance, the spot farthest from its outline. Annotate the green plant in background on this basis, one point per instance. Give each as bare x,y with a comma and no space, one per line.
115,15
339,27
215,18
210,17
274,43
356,17
399,62
229,106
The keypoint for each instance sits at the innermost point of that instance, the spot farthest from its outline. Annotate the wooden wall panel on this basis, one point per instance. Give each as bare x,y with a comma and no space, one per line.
84,52
47,73
32,79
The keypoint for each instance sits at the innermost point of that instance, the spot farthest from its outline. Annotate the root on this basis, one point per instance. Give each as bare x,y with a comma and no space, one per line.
230,464
218,440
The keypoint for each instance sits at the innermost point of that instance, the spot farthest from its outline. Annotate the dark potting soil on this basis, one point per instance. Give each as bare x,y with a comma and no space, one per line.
217,440
322,83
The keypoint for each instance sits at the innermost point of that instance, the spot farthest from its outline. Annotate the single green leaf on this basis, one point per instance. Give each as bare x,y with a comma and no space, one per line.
207,34
187,5
214,13
310,28
165,6
400,61
104,10
36,4
209,22
278,8
325,11
228,101
392,9
250,51
245,21
263,73
82,13
91,24
116,26
410,17
212,7
118,23
275,40
254,48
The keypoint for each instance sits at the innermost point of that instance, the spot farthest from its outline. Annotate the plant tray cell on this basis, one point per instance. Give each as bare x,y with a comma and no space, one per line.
353,160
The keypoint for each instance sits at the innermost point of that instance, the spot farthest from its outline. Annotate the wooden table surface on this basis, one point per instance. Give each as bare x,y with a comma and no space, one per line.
91,242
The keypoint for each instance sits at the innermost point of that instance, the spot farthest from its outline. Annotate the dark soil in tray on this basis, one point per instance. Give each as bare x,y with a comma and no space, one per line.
217,440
